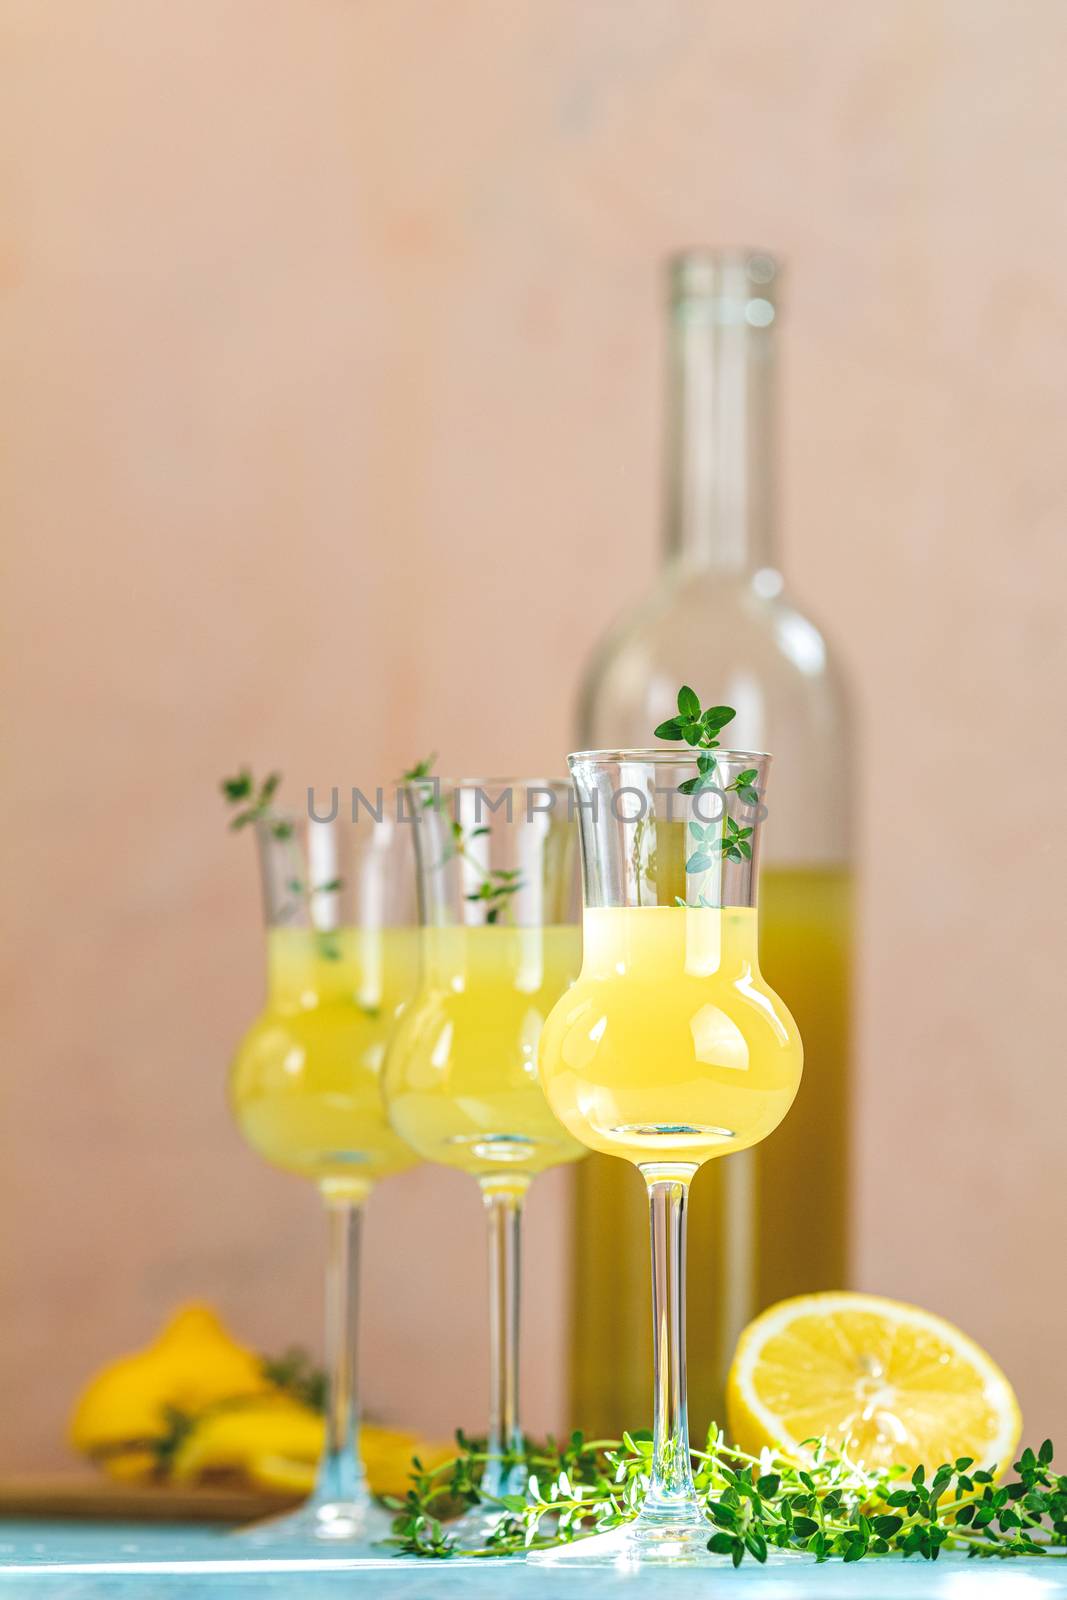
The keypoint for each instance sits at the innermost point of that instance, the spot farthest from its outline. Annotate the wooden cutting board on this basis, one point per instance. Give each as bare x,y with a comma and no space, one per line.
98,1498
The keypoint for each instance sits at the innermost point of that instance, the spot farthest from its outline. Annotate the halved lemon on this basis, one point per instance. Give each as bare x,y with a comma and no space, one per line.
885,1383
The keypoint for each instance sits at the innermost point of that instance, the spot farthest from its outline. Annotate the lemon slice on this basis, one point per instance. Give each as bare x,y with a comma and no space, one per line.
281,1474
386,1452
226,1440
884,1382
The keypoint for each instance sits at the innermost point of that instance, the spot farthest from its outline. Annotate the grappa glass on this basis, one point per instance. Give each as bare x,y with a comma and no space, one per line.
497,876
339,898
669,1050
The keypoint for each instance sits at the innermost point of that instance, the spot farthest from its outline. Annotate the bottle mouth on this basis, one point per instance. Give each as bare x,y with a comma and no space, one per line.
743,281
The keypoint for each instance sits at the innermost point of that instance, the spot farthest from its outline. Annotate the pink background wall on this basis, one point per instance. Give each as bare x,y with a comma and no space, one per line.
329,418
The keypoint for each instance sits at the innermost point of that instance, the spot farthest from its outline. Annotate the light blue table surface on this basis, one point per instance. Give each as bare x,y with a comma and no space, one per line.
107,1561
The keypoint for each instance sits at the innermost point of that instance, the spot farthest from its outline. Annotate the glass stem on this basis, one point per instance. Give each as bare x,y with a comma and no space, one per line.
503,1205
341,1479
671,1491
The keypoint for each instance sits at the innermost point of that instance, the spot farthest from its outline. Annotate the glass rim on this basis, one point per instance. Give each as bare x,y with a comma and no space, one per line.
658,755
487,783
295,813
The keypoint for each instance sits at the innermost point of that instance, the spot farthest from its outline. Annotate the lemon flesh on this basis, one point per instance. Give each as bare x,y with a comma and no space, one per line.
386,1453
885,1383
225,1440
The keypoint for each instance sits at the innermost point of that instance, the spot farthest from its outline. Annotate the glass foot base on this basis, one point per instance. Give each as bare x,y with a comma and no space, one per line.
472,1529
661,1542
353,1524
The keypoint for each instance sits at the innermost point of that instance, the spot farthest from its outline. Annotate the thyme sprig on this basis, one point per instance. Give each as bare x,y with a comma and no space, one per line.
498,884
296,1373
828,1508
700,729
256,802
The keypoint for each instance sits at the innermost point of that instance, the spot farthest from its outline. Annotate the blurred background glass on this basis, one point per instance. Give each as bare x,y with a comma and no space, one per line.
498,905
305,1090
333,361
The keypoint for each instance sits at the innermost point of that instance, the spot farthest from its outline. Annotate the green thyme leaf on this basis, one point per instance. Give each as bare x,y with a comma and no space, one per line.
716,717
420,769
238,788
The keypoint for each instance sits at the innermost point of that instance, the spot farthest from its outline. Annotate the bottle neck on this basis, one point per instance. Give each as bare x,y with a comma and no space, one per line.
720,445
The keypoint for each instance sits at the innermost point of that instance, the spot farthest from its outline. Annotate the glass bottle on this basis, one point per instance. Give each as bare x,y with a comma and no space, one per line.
775,1220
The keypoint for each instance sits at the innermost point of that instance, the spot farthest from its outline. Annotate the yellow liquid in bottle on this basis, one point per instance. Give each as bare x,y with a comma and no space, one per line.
769,1223
670,1048
461,1080
805,946
305,1086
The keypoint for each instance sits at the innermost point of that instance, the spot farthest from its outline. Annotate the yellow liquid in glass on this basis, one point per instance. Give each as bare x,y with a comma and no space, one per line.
305,1086
767,1224
461,1080
670,1048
